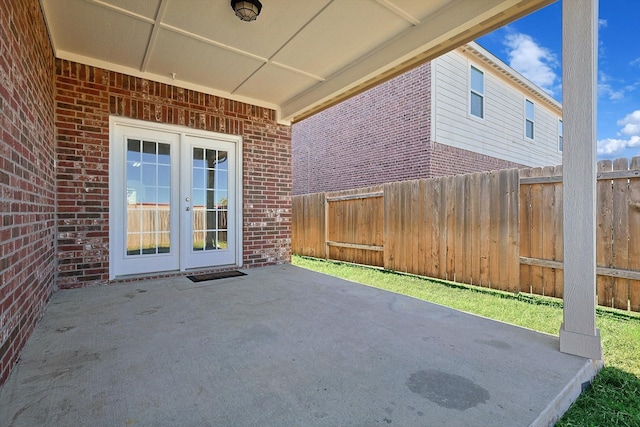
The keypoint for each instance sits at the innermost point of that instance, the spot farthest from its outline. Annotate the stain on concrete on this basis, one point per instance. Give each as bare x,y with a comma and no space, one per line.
413,409
63,364
447,390
256,334
65,329
152,310
500,345
28,406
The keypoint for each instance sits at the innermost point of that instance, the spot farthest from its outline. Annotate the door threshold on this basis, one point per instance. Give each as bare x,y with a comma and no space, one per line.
173,273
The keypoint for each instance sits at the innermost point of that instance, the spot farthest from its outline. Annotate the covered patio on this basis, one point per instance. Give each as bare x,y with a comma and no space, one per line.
281,346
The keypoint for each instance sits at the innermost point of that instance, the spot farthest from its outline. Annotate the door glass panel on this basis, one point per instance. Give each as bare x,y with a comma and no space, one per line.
210,199
148,178
198,240
222,239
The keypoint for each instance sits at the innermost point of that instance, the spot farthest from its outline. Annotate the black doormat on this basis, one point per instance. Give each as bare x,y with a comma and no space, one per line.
214,276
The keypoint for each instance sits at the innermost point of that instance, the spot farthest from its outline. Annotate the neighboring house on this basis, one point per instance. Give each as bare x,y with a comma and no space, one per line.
465,111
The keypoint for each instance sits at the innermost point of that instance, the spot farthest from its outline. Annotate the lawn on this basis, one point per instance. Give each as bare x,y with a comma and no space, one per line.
613,398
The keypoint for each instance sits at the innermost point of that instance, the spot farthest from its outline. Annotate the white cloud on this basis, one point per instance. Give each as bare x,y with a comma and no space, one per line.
631,124
632,87
533,61
635,62
630,127
605,89
611,145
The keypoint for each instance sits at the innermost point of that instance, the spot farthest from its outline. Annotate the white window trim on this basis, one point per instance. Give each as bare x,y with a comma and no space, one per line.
526,119
470,91
560,135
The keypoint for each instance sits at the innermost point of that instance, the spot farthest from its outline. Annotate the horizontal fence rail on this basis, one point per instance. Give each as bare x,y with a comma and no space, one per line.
499,229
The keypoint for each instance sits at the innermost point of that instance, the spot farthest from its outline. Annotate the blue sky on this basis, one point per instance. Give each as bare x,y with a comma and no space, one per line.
533,46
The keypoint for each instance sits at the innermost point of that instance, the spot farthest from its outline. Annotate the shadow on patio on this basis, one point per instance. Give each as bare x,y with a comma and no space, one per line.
281,346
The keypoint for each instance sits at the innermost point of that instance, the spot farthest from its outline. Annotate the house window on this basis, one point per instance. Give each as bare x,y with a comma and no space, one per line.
476,100
560,136
529,119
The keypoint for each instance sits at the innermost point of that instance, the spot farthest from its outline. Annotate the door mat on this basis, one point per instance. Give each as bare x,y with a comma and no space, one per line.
215,276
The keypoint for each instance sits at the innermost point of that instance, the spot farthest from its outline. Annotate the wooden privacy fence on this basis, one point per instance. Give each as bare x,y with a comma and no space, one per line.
617,232
148,226
500,229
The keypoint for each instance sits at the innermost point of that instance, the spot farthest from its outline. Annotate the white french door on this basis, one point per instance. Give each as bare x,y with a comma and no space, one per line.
208,192
175,198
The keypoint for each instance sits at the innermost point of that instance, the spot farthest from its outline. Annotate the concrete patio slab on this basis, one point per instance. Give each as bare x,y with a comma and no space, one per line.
282,346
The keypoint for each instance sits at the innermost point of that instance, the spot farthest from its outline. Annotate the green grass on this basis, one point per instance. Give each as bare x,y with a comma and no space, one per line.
614,396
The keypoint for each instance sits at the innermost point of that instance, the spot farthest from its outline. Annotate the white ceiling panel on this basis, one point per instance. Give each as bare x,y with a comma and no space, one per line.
146,8
216,67
97,32
418,9
275,83
321,52
298,57
263,37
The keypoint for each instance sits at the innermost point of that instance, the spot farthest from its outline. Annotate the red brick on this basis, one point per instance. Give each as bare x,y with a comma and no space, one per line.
27,267
267,149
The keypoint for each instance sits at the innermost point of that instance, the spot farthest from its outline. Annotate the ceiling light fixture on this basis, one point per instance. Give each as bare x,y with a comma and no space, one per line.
246,10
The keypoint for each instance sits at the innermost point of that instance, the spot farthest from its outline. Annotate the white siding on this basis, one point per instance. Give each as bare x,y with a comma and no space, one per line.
501,133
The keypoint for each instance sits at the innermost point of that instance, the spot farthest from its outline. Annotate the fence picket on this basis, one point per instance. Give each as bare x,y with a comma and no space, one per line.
513,237
536,233
548,234
413,237
459,220
559,233
525,231
504,234
604,230
485,228
424,232
390,226
440,227
620,234
467,276
634,239
475,198
405,224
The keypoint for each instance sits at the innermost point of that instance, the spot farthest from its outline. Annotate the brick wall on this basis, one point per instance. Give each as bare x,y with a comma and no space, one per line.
379,136
86,96
382,135
27,187
446,160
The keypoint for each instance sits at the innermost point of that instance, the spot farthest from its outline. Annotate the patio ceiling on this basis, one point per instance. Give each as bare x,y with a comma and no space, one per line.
298,57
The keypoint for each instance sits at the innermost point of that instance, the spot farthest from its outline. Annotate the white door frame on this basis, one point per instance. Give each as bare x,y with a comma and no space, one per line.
182,133
190,259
